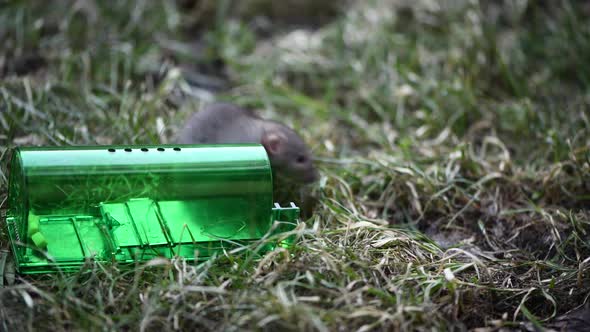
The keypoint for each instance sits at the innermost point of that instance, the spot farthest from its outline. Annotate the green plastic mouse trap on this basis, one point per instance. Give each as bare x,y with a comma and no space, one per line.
68,205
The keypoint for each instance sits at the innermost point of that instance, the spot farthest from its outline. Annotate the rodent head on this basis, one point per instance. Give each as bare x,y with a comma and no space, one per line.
288,153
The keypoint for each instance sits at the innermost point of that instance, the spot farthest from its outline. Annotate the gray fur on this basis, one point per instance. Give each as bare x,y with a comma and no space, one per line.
227,123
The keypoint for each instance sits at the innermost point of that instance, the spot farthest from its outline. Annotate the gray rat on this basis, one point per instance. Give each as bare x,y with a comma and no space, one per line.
227,123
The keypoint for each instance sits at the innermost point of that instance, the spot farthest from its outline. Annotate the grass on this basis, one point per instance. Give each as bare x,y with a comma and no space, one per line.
453,140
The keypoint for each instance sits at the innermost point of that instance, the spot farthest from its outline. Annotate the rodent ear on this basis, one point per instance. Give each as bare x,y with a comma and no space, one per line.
274,142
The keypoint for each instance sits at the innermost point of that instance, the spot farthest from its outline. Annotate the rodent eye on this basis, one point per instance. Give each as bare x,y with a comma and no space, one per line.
301,159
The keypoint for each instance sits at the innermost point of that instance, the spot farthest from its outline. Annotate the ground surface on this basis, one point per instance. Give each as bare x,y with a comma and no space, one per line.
453,139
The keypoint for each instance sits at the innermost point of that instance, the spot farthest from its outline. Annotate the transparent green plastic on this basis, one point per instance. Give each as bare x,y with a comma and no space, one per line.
68,205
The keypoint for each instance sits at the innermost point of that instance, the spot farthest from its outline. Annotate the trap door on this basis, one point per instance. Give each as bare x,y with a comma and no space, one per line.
136,223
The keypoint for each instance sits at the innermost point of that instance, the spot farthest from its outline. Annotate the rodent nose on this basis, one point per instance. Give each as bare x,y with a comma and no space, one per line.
312,176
